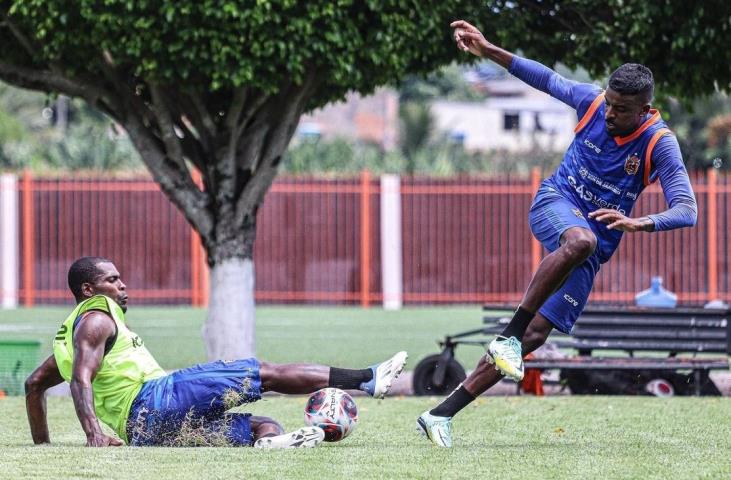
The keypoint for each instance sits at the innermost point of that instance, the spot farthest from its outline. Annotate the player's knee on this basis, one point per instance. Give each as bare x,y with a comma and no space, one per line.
269,373
581,244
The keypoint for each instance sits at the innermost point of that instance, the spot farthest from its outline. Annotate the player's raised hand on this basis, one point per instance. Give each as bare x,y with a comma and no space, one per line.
469,38
617,221
101,440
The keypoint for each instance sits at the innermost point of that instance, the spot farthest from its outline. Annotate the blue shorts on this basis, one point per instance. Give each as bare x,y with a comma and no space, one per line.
550,216
196,399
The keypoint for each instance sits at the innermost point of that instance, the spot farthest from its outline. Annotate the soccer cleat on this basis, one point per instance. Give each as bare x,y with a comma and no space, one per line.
437,429
384,374
507,355
305,437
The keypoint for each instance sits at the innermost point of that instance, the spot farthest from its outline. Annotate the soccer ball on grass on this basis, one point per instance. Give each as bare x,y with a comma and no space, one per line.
334,411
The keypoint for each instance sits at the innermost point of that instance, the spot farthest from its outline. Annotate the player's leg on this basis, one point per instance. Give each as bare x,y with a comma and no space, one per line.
436,423
563,230
302,378
560,311
268,433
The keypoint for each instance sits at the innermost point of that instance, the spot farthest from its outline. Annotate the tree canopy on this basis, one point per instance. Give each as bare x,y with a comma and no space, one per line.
685,44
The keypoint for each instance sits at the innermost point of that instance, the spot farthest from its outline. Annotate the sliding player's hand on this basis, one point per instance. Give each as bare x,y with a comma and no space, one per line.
469,38
101,440
617,221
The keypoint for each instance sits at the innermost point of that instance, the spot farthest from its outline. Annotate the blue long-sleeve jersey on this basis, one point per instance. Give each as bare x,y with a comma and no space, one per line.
602,171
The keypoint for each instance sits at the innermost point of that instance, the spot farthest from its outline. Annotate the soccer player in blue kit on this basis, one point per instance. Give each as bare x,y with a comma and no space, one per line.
579,213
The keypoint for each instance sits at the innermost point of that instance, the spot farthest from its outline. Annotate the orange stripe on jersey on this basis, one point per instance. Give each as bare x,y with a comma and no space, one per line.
648,153
589,113
655,117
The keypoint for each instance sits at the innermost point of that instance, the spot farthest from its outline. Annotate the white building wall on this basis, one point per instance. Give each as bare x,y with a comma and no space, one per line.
482,123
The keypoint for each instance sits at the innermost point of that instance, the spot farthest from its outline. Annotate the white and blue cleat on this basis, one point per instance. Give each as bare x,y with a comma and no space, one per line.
384,374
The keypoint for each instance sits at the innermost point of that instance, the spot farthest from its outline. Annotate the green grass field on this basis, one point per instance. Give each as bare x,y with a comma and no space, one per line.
499,437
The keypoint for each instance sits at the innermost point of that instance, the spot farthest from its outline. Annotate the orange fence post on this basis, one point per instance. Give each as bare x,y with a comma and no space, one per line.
197,260
28,240
365,239
535,246
712,232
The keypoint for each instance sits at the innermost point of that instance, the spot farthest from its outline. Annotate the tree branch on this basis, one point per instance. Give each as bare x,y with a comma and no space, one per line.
24,42
292,102
166,126
45,80
176,183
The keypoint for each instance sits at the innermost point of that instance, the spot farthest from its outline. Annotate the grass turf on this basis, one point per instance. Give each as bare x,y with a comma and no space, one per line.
499,437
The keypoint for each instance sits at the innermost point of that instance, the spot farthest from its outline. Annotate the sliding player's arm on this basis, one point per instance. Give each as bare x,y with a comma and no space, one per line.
42,378
90,338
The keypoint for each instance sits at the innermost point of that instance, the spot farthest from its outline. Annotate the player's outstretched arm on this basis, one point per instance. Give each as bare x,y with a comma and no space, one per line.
42,378
577,95
89,339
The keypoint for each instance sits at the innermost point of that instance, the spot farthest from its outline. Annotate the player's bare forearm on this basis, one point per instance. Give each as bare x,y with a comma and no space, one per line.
43,378
83,397
498,55
35,406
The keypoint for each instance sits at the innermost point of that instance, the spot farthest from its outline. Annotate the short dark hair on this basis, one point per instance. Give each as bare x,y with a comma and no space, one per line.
633,79
84,270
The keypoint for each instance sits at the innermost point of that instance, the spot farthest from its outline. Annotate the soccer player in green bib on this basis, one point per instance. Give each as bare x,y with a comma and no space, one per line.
115,379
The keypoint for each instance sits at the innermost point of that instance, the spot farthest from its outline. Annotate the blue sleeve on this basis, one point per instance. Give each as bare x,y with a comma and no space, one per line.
668,161
574,94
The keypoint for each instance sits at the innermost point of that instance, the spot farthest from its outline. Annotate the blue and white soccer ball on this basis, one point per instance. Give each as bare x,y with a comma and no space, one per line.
334,411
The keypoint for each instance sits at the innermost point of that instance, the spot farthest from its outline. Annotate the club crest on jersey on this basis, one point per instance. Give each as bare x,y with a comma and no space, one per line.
577,212
632,164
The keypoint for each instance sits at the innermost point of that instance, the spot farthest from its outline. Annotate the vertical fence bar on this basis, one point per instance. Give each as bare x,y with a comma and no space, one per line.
28,240
196,295
8,241
535,246
711,235
365,238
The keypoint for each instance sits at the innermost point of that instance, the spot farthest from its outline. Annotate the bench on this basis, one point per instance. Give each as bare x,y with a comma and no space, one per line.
663,340
628,339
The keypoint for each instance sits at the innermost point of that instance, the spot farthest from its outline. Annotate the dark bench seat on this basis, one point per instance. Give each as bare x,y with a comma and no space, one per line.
679,339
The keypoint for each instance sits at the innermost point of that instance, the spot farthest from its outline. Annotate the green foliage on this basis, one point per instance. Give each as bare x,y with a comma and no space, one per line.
31,138
417,126
223,44
686,44
437,157
692,126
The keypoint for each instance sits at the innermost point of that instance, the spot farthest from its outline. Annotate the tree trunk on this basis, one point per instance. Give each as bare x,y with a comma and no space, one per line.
229,328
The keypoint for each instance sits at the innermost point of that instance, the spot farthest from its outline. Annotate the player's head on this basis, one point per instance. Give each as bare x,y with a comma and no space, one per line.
628,98
89,276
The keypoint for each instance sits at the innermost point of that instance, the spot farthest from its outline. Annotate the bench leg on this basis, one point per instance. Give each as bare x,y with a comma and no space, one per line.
697,378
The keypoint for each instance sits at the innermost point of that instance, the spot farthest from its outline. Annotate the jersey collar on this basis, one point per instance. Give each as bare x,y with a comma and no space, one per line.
655,116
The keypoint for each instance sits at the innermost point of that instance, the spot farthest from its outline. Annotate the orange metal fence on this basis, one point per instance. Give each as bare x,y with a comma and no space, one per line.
464,241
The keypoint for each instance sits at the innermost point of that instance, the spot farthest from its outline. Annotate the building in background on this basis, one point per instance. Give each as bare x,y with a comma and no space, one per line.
515,117
373,119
